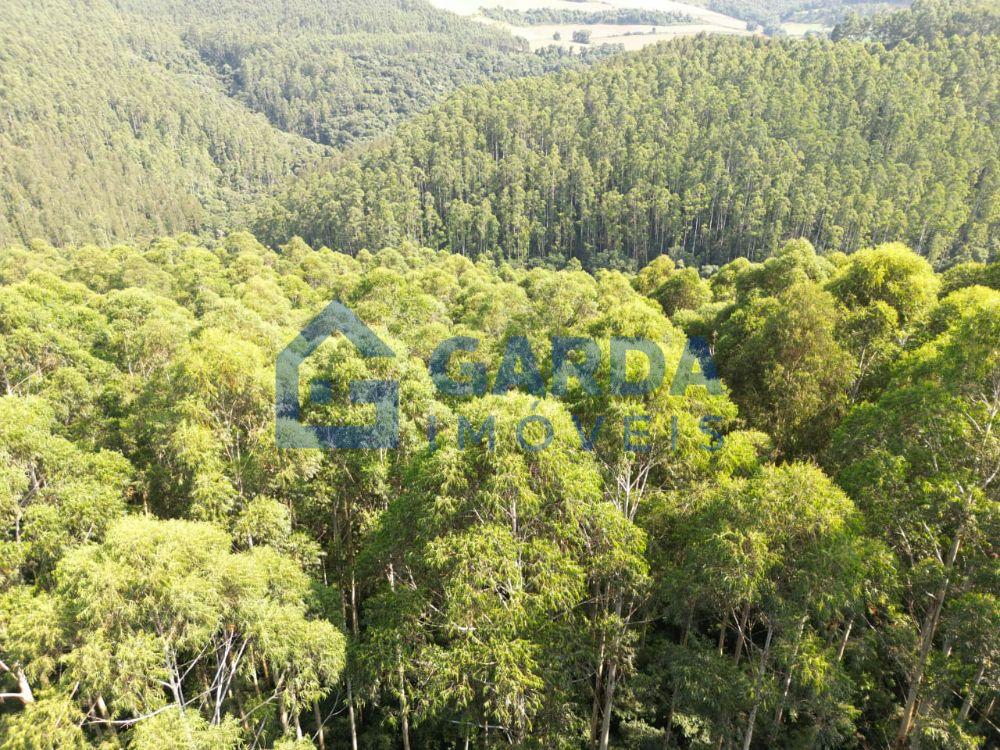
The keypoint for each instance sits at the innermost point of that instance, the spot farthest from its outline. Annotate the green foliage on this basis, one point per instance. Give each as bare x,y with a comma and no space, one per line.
788,371
892,274
113,128
927,22
764,566
921,461
174,730
341,74
707,148
770,13
132,118
969,274
53,493
804,557
171,579
50,723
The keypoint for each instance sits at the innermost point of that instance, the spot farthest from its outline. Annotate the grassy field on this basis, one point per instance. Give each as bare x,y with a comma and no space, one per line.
631,36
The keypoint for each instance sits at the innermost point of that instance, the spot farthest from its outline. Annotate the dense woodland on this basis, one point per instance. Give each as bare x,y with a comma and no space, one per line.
826,577
110,129
804,557
129,118
340,73
929,22
708,149
770,13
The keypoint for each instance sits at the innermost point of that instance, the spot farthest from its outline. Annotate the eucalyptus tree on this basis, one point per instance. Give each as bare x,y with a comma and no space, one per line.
922,462
161,630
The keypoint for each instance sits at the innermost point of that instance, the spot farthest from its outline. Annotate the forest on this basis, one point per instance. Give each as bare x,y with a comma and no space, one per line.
770,13
126,119
818,570
790,542
708,149
927,23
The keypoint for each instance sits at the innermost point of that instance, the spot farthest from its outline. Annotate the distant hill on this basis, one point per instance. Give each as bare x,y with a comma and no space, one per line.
111,127
770,13
706,148
337,72
929,21
127,118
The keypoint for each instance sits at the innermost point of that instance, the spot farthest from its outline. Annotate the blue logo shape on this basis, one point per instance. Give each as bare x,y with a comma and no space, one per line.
696,350
384,394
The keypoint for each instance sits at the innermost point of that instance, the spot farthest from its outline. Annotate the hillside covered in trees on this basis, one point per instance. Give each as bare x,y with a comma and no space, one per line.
789,541
816,569
707,148
927,23
111,128
770,13
125,118
341,72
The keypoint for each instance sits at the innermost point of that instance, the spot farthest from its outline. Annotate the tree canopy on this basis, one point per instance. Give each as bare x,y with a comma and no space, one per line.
704,148
802,557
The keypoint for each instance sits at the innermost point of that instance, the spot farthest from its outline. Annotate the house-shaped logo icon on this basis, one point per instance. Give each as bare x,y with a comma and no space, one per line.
290,432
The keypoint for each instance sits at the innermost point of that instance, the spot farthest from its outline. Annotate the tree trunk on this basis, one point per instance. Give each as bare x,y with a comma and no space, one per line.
780,711
599,597
102,707
609,687
667,733
741,636
984,716
606,708
927,631
405,709
283,714
350,692
595,709
971,697
25,689
350,716
404,706
320,727
844,639
752,719
242,709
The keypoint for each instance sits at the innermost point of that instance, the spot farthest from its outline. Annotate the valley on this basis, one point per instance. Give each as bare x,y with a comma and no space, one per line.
384,375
